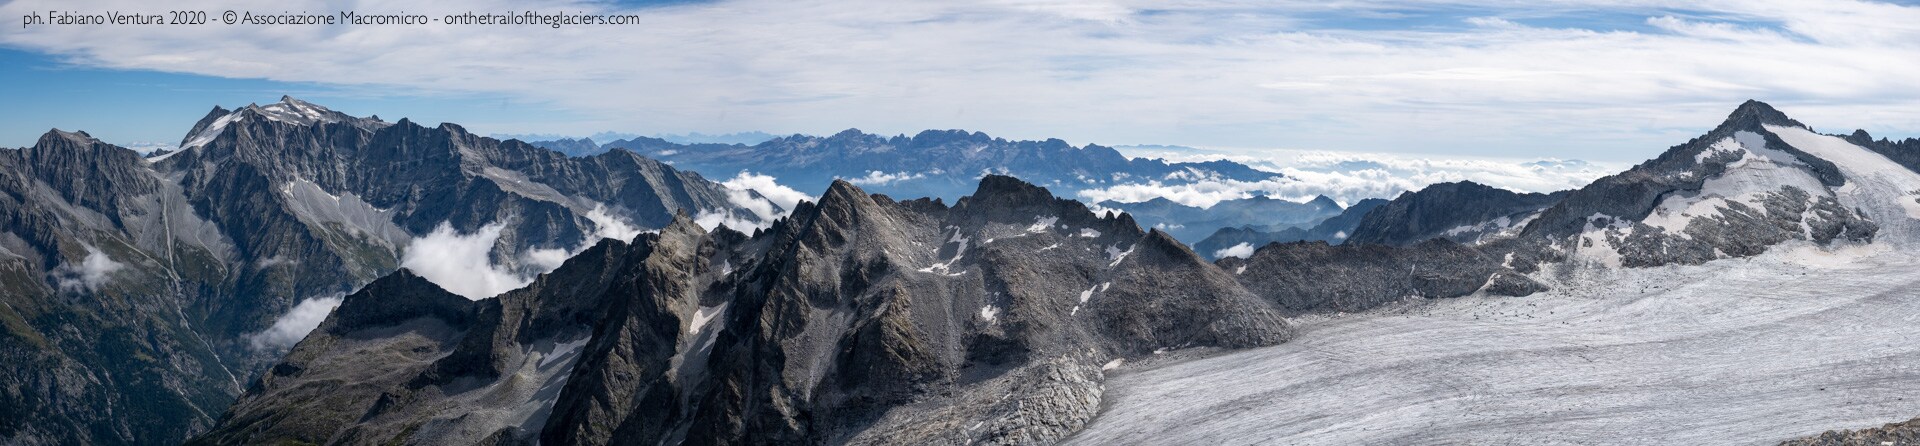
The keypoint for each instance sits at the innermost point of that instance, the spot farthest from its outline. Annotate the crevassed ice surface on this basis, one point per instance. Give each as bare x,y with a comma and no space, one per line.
1746,351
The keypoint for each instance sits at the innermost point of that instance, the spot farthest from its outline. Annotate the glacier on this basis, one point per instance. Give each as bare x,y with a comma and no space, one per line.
1750,351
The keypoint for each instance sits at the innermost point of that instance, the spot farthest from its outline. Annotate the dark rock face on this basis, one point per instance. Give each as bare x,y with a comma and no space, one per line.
1744,230
1305,277
1901,433
1464,212
1334,230
935,163
859,319
408,319
134,287
97,349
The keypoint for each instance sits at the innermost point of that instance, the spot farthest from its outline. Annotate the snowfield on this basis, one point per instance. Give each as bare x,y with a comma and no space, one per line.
1872,177
1744,351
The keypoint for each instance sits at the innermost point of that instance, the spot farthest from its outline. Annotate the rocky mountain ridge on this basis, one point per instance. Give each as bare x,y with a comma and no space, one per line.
141,294
860,319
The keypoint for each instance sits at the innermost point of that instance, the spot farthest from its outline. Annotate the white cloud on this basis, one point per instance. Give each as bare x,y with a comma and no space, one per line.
90,274
1090,10
548,259
1222,73
740,191
461,263
710,219
270,262
290,328
1094,206
1714,30
1351,177
1242,250
605,226
768,187
875,177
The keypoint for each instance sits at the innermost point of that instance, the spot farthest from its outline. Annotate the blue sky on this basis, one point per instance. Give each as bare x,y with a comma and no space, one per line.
143,106
1613,81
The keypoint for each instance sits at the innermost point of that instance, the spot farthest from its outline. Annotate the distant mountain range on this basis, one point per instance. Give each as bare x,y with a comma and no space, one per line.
747,138
936,163
1196,223
946,164
1463,212
1242,240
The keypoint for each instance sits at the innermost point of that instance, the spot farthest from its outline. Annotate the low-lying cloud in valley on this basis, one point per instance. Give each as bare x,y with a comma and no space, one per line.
875,177
461,263
90,274
769,187
605,226
1242,250
290,328
1345,177
773,201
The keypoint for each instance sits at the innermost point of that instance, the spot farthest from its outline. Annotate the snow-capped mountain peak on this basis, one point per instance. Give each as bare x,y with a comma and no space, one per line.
289,110
205,133
297,111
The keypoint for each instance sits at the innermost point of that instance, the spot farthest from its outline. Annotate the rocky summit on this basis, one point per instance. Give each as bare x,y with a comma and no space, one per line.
1757,180
1465,212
